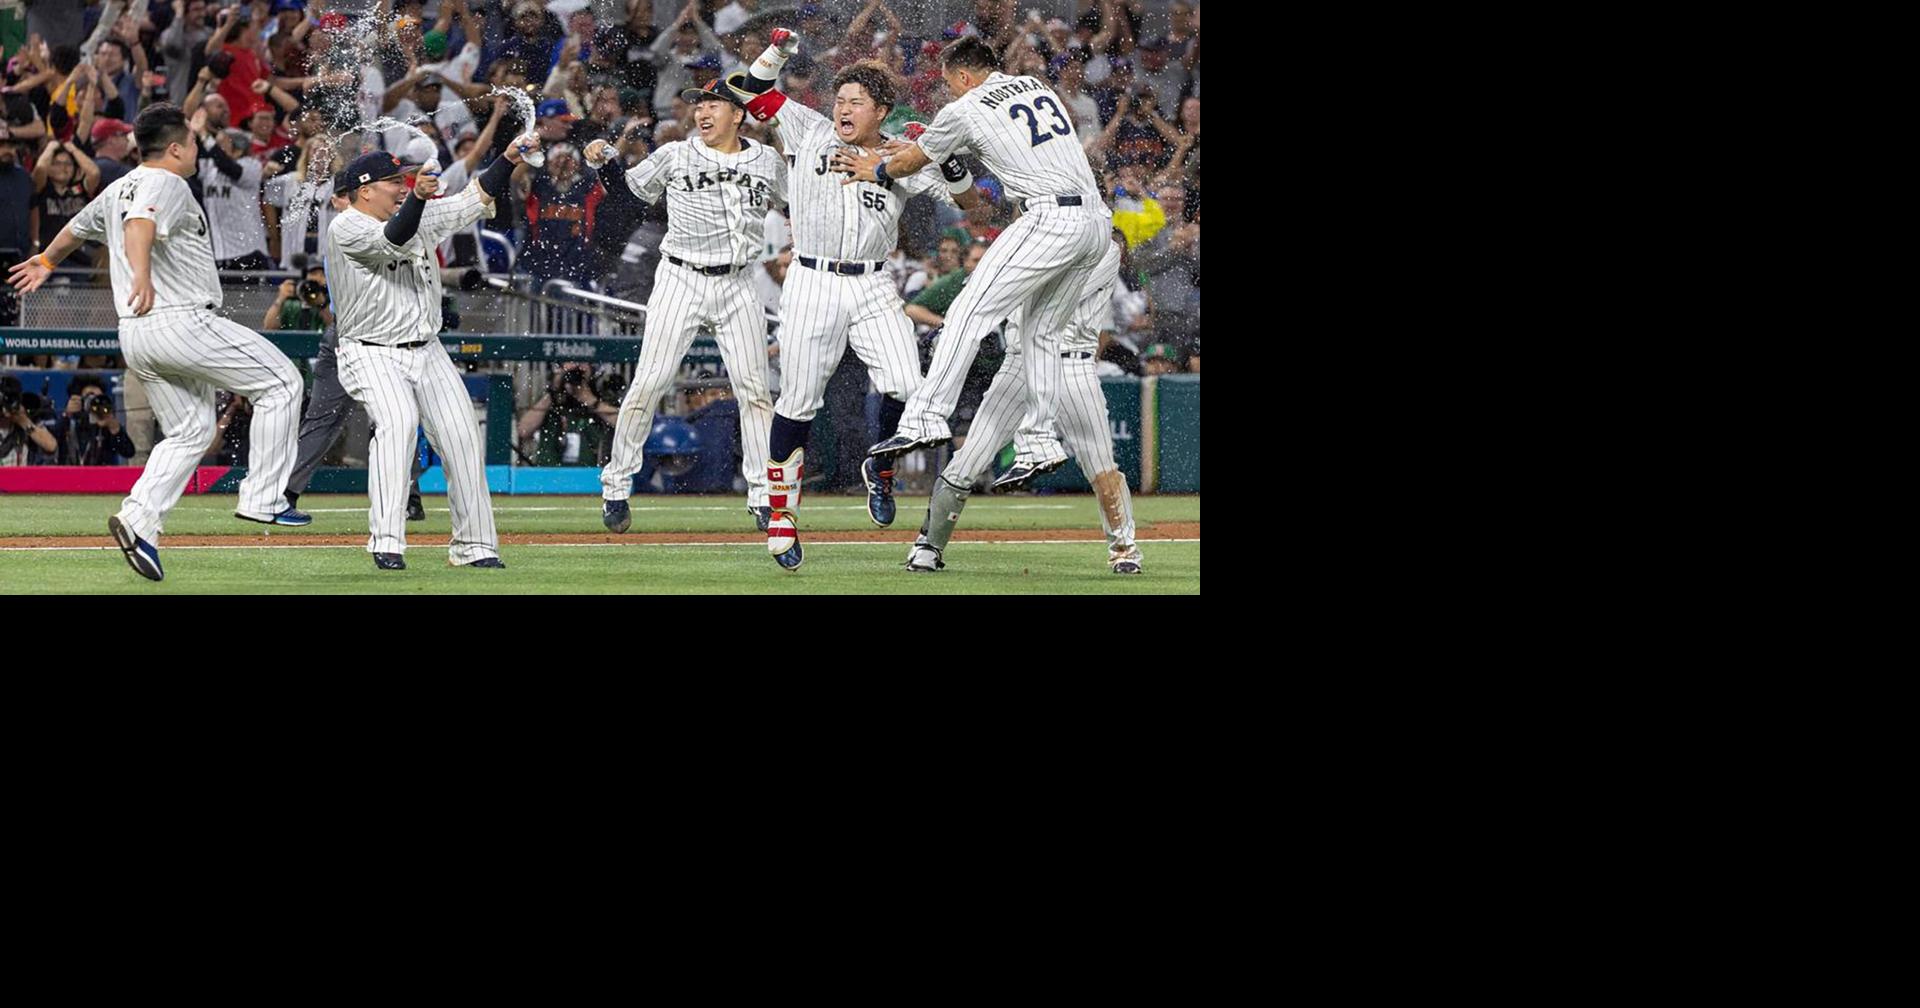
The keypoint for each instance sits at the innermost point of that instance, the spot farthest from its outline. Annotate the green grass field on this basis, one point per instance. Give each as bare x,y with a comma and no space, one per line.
293,567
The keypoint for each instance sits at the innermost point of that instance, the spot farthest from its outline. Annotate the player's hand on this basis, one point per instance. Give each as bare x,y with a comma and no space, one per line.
141,301
597,153
198,121
73,405
426,186
858,164
892,147
26,277
261,86
522,145
287,289
787,42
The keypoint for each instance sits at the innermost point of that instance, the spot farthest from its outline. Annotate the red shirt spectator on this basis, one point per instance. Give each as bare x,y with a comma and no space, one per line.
237,86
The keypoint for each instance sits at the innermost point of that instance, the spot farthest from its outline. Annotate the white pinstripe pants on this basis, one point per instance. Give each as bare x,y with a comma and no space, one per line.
681,301
1083,426
419,387
820,313
182,356
1040,264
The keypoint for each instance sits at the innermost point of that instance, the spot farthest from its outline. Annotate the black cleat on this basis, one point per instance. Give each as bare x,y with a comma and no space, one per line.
416,511
878,476
1021,474
141,554
1127,567
615,515
389,561
900,444
761,516
489,563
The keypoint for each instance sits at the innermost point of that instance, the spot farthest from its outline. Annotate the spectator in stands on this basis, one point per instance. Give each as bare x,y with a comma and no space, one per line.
1165,78
1186,153
560,205
799,81
237,37
231,432
421,93
1070,72
89,432
946,259
1117,85
620,213
302,305
733,15
771,277
1171,262
686,49
534,38
16,204
1161,358
65,180
930,308
118,70
573,423
183,46
434,44
23,440
113,150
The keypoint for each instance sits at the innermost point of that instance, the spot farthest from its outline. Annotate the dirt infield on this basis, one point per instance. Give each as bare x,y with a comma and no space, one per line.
1162,530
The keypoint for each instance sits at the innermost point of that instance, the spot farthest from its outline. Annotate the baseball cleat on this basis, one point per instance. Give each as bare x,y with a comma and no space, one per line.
389,561
416,511
290,517
879,479
761,516
900,444
615,515
141,554
1126,567
489,563
925,559
1021,474
783,540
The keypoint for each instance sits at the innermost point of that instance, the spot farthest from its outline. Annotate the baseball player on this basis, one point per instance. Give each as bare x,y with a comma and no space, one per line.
839,290
1083,425
1021,132
386,288
230,181
719,186
166,289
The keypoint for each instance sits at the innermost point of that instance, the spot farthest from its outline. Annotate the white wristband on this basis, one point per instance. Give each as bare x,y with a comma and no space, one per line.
956,188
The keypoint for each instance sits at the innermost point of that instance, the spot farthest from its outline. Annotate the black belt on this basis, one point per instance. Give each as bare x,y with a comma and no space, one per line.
841,267
1077,355
397,346
708,270
1027,204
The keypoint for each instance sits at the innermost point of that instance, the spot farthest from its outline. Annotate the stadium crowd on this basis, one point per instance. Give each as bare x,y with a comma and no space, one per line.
276,87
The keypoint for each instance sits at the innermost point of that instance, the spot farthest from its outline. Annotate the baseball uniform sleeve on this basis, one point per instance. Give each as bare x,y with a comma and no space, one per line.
90,224
448,215
164,199
948,135
926,182
648,179
779,193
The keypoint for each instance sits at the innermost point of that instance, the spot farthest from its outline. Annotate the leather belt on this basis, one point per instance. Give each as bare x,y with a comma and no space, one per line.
708,270
1077,355
396,346
842,267
1027,204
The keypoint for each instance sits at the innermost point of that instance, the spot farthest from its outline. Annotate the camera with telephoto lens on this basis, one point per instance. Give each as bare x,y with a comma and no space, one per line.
99,404
314,293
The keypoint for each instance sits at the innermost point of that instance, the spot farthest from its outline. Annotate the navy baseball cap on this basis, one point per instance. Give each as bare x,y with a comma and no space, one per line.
373,166
554,107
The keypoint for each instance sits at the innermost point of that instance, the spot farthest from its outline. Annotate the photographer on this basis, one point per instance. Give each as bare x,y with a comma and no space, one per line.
21,437
573,423
89,433
304,305
620,212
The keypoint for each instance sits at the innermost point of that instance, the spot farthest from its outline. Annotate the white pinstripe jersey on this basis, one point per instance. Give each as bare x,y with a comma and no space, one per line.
716,203
181,267
387,293
858,221
233,208
1091,315
1018,126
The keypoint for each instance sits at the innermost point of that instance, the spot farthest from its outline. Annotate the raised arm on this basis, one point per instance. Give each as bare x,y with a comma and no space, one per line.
89,169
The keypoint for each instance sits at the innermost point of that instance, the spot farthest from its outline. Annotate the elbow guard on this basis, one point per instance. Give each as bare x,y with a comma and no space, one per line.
765,106
496,178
